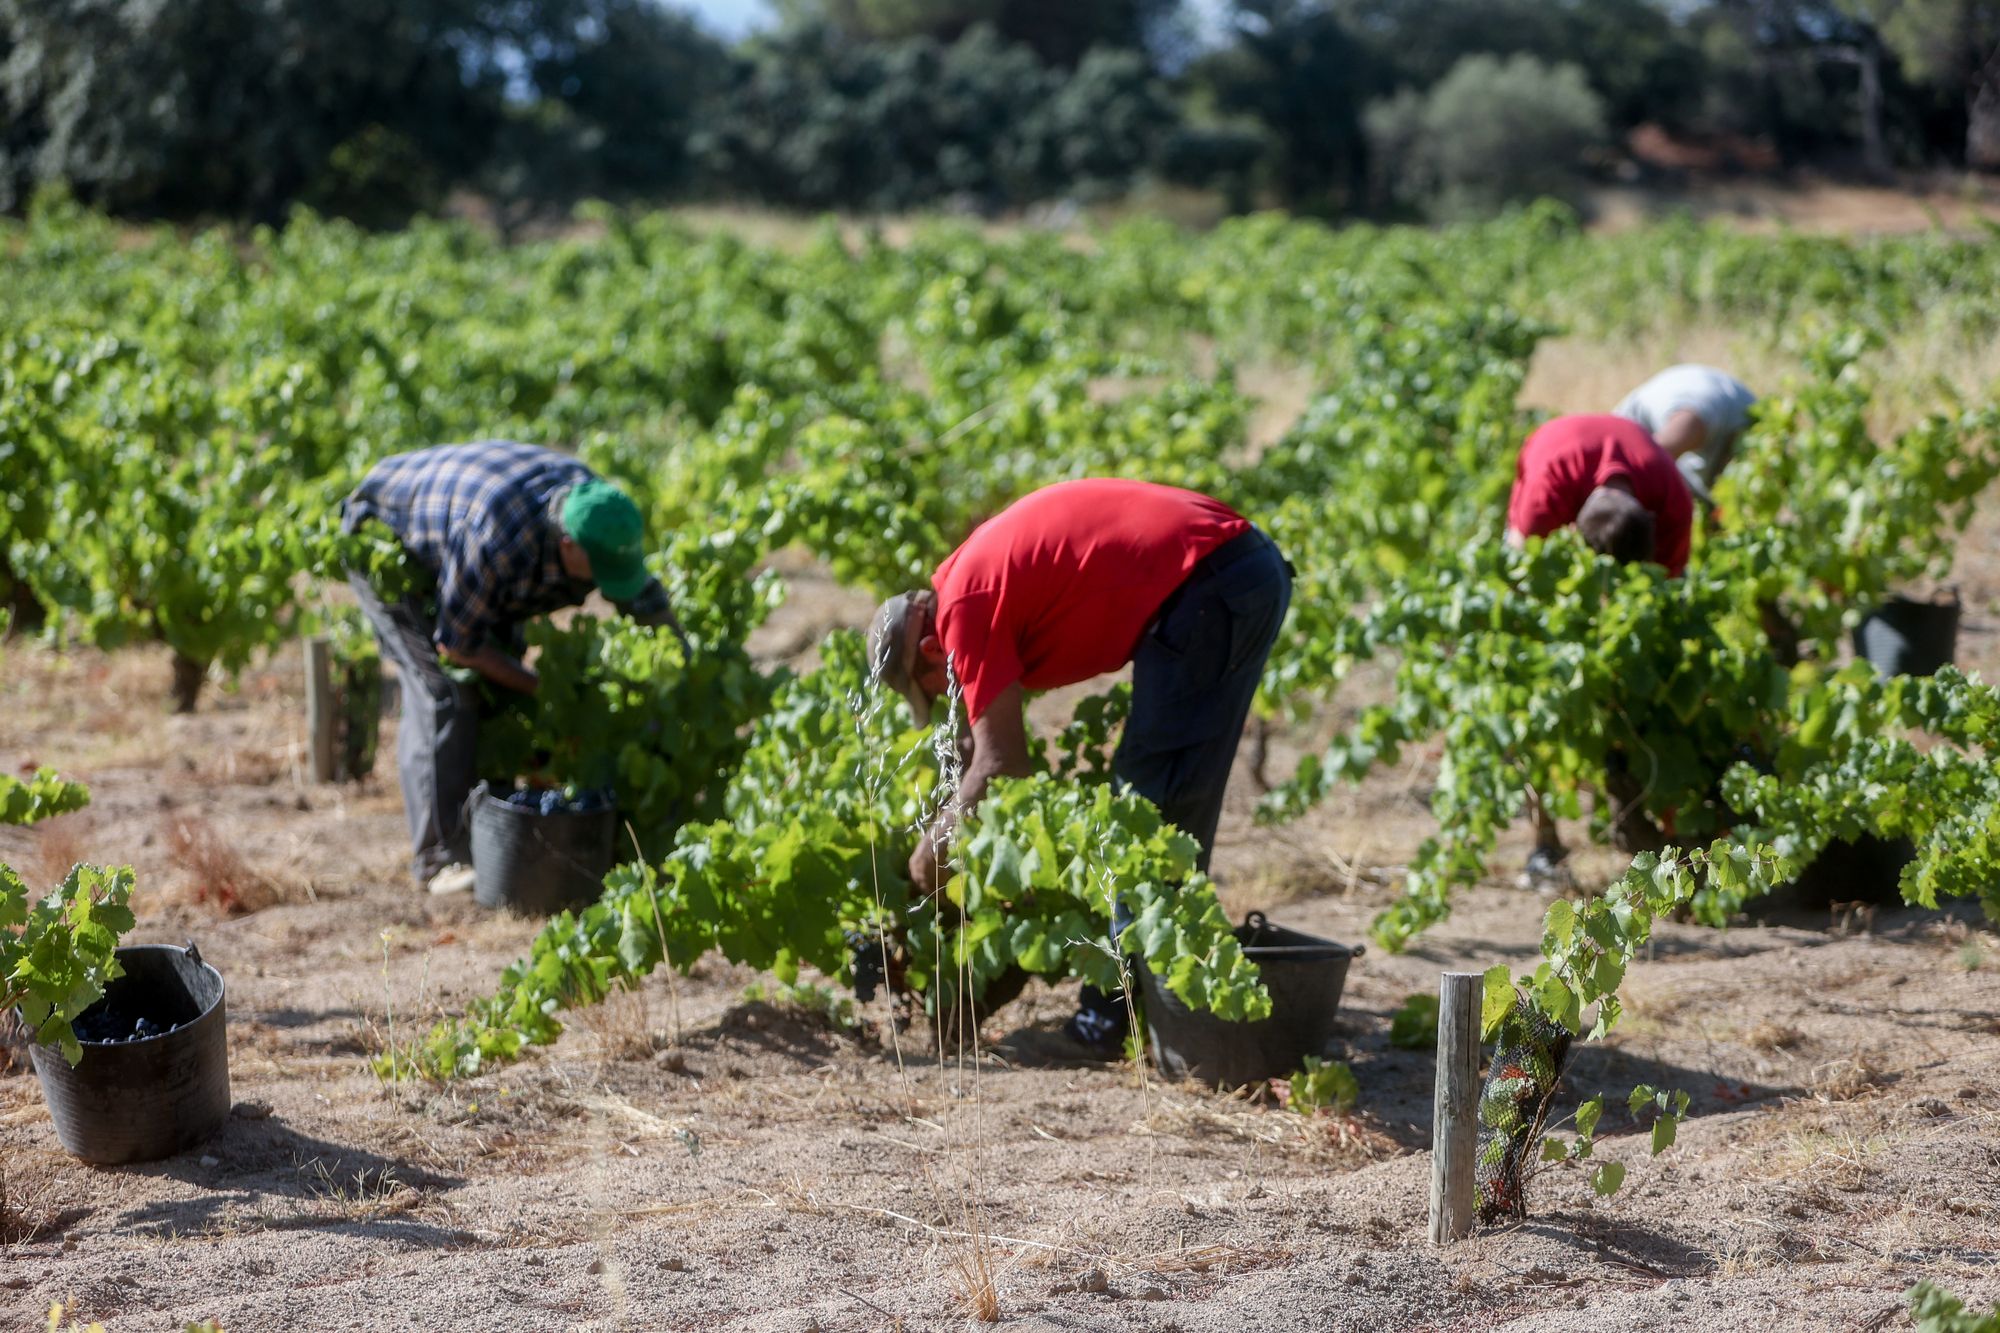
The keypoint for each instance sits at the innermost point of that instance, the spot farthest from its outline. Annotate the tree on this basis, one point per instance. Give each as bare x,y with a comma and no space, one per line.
1952,47
815,119
1638,59
183,107
1060,32
632,75
1491,132
1099,126
1293,69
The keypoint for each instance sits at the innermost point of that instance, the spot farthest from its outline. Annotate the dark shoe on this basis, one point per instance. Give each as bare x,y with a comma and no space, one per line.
1044,1048
1545,871
1101,1023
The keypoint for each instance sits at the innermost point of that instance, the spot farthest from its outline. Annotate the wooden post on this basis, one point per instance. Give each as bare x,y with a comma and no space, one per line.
1454,1121
319,707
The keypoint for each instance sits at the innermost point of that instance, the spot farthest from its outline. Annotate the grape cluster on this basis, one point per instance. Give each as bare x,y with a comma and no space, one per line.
569,800
868,964
110,1026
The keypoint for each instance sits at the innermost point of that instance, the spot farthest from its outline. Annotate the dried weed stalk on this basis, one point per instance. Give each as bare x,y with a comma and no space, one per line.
213,872
622,1024
59,845
975,1271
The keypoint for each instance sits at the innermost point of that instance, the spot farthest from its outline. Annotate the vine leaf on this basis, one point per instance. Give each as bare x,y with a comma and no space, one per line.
1496,1000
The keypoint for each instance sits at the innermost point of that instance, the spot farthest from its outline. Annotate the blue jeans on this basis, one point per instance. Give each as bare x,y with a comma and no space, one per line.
1193,677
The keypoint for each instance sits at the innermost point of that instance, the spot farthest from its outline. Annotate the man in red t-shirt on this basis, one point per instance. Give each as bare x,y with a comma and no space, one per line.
1606,475
1627,497
1073,581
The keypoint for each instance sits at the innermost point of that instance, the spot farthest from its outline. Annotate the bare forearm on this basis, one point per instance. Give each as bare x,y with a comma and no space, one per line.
972,790
503,669
999,749
1684,433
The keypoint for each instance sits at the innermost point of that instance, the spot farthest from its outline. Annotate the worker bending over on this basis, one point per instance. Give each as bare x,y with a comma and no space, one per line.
508,532
1697,414
1071,582
1606,476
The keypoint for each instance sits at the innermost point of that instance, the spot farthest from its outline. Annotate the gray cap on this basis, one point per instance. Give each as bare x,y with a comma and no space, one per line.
892,651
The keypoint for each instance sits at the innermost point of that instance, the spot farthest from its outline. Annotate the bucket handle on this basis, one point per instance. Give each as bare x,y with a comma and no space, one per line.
1255,922
193,954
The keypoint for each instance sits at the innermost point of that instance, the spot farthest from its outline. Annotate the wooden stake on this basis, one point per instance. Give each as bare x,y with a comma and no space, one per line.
319,707
1454,1121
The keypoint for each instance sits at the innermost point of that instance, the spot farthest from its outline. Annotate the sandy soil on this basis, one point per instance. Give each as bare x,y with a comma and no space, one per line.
689,1158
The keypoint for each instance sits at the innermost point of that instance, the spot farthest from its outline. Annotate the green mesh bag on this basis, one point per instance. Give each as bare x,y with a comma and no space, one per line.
1520,1084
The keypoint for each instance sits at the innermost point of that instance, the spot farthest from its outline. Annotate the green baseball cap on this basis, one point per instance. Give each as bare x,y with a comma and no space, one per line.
603,520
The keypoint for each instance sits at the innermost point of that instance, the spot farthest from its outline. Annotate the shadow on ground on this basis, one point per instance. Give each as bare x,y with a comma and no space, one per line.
259,1173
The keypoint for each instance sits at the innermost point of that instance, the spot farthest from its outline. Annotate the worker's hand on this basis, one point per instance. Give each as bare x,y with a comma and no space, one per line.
652,609
503,669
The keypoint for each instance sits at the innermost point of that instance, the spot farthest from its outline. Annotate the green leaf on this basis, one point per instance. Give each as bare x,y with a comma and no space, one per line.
1497,999
1554,998
1414,1025
1559,926
1607,1178
1324,1085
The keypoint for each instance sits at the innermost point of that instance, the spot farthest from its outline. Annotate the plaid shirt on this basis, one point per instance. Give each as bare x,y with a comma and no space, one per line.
486,520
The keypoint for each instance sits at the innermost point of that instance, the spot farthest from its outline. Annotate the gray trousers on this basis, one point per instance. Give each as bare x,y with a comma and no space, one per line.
437,737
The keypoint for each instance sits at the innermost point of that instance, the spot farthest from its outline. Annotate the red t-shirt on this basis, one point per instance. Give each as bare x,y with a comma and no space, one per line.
1058,587
1568,458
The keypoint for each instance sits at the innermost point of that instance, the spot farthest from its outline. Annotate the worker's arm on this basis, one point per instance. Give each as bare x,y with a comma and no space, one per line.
999,750
468,611
1684,433
503,669
653,609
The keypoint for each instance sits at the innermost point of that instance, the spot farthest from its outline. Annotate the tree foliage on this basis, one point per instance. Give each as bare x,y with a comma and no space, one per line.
1491,132
238,107
813,119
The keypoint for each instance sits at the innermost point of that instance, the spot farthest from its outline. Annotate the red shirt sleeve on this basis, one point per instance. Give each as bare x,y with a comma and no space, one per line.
1533,510
984,654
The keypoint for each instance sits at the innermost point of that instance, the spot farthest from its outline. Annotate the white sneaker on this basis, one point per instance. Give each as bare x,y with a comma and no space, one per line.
454,878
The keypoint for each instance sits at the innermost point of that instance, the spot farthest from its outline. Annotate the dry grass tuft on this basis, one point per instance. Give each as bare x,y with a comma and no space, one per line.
1341,1140
215,873
975,1272
29,1214
1847,1079
622,1025
358,1193
1771,1038
1835,1155
60,844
